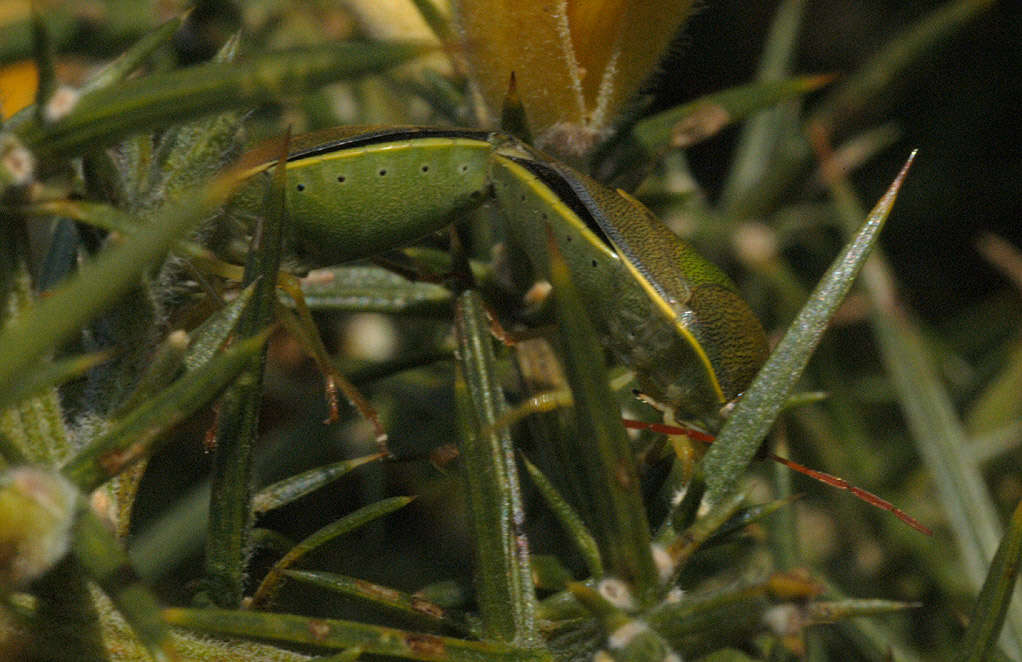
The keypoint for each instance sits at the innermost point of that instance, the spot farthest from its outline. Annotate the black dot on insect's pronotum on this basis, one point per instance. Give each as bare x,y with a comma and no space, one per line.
383,172
463,168
300,187
341,178
594,264
424,168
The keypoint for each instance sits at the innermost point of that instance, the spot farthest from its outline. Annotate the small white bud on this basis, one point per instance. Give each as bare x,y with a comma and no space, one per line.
755,244
663,562
538,293
37,509
178,339
60,103
617,593
623,636
784,619
17,165
370,336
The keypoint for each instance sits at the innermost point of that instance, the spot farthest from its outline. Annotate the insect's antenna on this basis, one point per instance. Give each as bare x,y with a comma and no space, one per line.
661,428
842,484
823,477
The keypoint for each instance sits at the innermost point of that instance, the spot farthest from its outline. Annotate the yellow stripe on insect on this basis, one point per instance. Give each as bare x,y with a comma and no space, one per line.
410,143
672,314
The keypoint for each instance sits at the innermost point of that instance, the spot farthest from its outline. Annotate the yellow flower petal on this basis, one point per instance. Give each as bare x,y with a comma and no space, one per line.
576,61
530,38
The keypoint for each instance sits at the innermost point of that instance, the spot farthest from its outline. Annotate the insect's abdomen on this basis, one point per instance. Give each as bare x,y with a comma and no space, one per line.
362,198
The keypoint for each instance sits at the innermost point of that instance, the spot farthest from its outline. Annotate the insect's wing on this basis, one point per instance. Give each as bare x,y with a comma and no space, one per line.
701,297
665,311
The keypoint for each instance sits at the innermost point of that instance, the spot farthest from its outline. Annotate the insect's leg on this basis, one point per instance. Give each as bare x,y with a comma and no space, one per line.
300,323
688,442
820,476
540,403
542,378
676,430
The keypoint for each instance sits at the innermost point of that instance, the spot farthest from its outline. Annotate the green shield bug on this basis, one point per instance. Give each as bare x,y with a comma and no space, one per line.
660,307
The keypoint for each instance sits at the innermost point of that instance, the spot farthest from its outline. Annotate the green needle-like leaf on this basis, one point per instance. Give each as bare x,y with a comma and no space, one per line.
681,547
602,448
136,435
333,633
699,119
736,612
100,283
96,214
373,289
569,519
42,47
831,612
750,421
693,122
291,489
49,375
109,114
750,515
132,58
346,524
991,606
230,517
503,581
387,598
209,337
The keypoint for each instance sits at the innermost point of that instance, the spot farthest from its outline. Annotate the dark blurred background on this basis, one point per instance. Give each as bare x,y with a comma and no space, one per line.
960,105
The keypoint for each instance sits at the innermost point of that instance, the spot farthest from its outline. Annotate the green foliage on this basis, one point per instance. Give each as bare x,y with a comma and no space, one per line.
130,332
